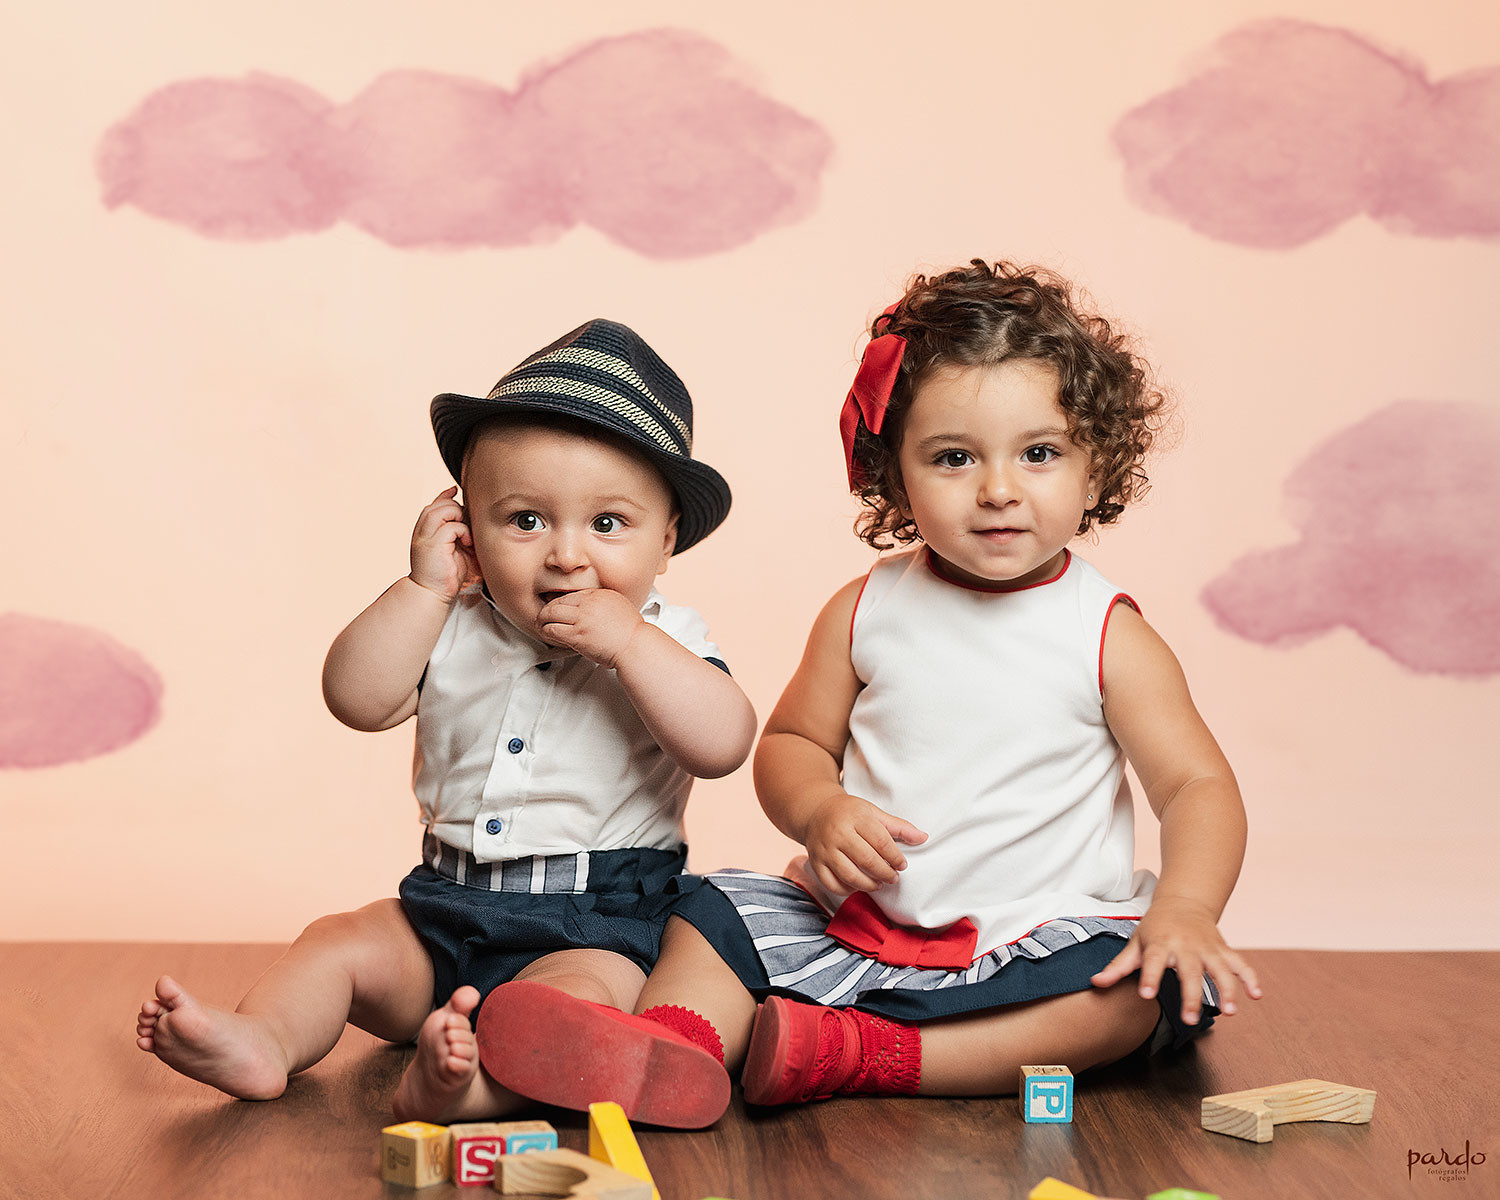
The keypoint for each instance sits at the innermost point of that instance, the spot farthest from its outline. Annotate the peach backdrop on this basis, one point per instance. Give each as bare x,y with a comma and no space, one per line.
231,300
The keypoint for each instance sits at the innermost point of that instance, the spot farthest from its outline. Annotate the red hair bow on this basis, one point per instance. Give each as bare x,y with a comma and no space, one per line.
871,393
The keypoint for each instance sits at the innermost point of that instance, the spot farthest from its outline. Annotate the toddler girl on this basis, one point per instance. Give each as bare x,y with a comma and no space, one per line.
951,753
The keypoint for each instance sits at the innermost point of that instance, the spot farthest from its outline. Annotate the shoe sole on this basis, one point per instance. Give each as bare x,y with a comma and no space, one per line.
551,1047
764,1077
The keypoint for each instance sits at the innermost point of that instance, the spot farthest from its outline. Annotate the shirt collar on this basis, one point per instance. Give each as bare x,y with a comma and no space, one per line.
651,612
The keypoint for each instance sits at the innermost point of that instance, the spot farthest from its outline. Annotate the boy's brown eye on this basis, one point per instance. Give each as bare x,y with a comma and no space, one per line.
527,522
607,523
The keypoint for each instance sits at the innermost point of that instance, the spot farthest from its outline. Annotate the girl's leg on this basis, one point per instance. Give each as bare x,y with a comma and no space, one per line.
446,1083
982,1055
801,1052
367,968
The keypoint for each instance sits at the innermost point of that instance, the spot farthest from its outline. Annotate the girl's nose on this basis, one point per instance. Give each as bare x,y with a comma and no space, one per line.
995,486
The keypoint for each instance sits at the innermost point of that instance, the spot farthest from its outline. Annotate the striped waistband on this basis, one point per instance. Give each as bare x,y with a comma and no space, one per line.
539,873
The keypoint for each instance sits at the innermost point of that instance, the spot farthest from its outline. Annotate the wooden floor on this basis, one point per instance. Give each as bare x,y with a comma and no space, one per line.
83,1113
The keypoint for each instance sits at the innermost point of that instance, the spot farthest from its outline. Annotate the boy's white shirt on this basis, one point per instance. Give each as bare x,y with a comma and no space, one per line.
587,776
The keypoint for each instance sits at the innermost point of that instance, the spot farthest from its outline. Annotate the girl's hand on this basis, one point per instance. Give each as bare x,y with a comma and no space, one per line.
1183,934
596,622
851,844
442,548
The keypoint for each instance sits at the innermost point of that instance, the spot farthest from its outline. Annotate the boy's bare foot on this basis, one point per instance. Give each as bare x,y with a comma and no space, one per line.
444,1081
226,1050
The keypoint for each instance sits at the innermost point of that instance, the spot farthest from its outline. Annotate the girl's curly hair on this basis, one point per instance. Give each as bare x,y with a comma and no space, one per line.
982,315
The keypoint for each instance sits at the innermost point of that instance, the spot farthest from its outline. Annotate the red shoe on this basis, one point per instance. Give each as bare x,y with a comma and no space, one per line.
553,1047
801,1052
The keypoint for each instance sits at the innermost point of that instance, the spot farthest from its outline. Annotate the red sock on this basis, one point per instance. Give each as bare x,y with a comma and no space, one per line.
687,1023
890,1058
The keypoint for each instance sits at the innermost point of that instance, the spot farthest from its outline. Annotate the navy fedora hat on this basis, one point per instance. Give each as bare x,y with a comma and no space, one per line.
605,374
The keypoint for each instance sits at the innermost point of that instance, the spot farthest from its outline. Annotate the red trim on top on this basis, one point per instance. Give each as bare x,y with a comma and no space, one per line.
972,587
1109,612
857,599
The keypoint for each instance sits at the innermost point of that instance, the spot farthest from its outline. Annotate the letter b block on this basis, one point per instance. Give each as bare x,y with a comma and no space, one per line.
414,1154
1046,1095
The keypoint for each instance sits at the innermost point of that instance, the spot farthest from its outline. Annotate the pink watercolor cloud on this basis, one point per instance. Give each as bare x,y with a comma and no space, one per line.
655,139
1288,129
68,693
1399,543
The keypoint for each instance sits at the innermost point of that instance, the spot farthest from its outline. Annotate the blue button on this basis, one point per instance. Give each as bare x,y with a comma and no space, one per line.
516,745
493,825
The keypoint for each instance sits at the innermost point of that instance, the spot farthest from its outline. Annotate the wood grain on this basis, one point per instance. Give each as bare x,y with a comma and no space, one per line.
83,1113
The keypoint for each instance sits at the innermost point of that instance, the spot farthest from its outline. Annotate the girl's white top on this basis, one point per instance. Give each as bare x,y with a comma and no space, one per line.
981,721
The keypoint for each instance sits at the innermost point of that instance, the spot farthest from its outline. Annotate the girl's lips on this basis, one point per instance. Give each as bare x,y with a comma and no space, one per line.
548,597
999,535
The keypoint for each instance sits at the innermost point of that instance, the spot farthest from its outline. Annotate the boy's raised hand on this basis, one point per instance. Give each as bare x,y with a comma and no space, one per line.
1181,933
852,844
442,548
596,622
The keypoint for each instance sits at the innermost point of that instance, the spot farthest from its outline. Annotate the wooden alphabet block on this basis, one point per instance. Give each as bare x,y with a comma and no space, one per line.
1056,1189
611,1140
526,1137
566,1173
1046,1095
414,1154
1251,1114
478,1144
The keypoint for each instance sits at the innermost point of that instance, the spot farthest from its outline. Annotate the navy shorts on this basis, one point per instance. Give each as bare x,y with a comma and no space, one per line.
485,935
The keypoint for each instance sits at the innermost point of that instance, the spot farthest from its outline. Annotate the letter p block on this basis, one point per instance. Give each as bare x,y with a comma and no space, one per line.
1046,1095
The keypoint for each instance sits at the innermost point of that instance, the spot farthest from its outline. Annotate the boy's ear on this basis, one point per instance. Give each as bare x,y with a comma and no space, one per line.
669,543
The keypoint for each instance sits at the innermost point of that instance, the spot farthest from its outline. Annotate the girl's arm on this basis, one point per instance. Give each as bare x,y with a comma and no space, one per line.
851,844
373,667
1193,792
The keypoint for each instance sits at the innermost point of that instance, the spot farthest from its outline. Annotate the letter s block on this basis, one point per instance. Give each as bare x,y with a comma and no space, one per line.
1046,1095
476,1146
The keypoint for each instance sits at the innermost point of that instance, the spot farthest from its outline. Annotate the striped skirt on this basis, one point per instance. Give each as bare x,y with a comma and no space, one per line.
774,936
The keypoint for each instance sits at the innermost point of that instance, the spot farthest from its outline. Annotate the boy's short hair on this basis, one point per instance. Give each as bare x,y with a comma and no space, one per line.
983,315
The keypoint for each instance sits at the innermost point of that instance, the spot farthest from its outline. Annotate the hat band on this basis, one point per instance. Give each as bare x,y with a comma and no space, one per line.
606,364
599,397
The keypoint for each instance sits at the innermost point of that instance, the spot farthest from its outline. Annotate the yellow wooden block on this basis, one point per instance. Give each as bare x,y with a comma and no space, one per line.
1251,1114
565,1173
1056,1189
414,1154
612,1140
